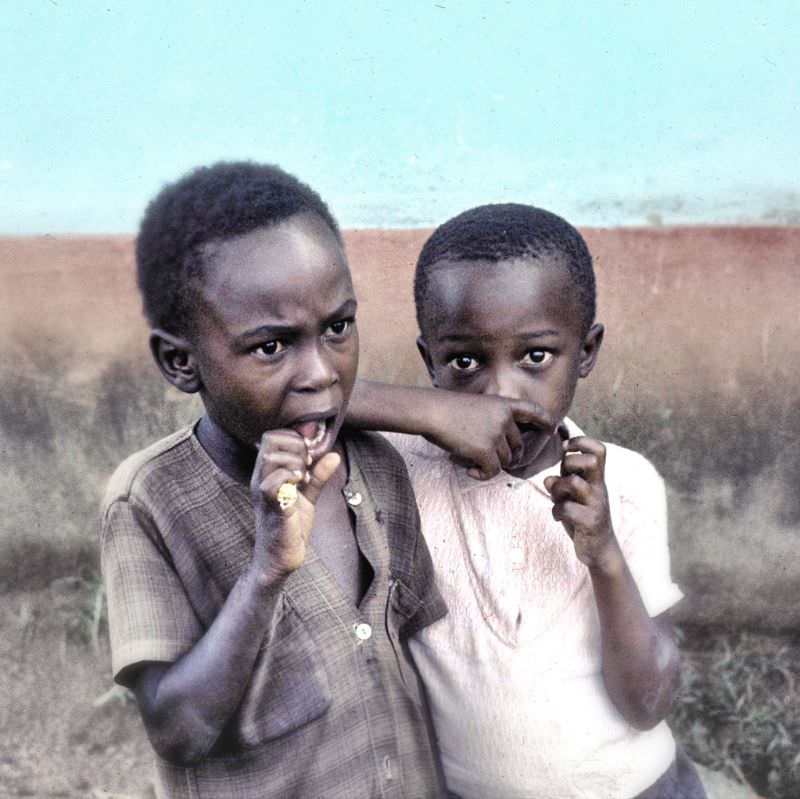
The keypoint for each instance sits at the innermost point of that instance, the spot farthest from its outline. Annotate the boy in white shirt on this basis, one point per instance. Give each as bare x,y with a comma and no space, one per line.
554,670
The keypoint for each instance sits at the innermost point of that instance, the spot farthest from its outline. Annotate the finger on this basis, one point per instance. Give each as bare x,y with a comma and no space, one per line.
505,455
459,461
566,513
271,444
573,516
476,473
572,487
591,446
482,469
531,414
321,472
580,463
485,468
255,477
284,441
514,441
271,484
293,461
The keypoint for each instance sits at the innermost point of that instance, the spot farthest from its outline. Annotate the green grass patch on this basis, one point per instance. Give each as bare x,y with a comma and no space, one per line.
738,708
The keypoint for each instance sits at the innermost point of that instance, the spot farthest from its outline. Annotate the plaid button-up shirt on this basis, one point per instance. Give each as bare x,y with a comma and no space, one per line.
333,709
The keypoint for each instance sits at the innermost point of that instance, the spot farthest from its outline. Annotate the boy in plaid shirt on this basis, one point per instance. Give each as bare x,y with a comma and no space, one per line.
264,571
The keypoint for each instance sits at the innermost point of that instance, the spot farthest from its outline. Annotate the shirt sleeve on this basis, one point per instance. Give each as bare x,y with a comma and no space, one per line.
433,606
421,579
149,615
642,532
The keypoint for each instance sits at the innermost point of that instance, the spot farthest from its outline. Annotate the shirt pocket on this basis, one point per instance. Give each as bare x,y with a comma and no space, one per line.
401,606
289,687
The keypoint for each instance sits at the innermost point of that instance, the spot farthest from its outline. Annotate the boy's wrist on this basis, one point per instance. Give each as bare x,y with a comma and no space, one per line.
265,580
610,563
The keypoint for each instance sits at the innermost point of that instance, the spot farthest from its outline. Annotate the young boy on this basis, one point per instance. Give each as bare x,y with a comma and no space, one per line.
554,669
263,571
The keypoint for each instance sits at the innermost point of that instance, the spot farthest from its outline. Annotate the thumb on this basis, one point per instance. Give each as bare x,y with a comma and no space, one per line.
319,474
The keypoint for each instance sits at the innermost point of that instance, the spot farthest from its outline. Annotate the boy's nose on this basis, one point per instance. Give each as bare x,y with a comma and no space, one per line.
315,370
503,383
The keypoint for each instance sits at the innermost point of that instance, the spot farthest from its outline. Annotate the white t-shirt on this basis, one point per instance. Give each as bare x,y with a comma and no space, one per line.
513,672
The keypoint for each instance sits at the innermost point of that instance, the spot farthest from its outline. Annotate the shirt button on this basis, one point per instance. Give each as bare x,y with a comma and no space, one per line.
354,498
363,631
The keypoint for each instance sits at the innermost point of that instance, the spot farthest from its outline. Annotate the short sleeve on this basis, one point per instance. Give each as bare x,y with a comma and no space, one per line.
423,581
416,565
642,531
149,615
433,606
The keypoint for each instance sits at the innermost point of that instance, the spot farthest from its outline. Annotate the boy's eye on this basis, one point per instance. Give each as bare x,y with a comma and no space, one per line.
537,358
340,327
464,363
272,347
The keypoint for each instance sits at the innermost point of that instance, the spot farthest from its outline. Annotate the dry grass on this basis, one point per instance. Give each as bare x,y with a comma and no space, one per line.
739,705
62,438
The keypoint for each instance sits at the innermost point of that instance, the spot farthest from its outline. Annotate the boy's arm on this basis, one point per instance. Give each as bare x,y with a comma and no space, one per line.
479,431
639,655
186,704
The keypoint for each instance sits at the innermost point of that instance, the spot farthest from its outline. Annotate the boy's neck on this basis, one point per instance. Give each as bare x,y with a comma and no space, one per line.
235,458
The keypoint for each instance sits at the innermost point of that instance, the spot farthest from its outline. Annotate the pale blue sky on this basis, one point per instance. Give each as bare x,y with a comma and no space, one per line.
402,114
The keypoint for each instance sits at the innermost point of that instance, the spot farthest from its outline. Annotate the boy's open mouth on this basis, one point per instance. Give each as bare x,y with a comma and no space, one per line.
315,433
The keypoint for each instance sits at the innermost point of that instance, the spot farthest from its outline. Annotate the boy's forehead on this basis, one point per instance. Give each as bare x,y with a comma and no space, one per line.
297,261
507,286
299,242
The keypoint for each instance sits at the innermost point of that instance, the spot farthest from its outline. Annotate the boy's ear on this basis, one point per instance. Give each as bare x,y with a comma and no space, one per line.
426,356
591,349
175,359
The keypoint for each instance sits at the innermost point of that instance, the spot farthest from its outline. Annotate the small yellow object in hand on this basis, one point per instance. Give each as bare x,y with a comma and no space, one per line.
287,495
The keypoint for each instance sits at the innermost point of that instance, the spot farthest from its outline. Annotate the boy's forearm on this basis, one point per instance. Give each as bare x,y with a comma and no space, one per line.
186,705
639,655
479,431
397,409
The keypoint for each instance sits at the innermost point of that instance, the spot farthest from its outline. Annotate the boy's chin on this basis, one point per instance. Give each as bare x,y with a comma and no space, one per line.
539,454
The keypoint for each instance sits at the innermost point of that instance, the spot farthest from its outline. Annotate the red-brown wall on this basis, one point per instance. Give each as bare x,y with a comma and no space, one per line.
699,370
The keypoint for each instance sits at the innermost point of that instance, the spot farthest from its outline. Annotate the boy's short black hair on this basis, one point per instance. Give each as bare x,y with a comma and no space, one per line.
211,203
501,232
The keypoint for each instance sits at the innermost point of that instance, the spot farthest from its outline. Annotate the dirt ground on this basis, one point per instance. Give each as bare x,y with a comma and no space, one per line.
65,731
61,733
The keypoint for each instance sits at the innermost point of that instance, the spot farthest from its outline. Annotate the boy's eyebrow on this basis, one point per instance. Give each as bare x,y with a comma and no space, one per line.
459,337
347,308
